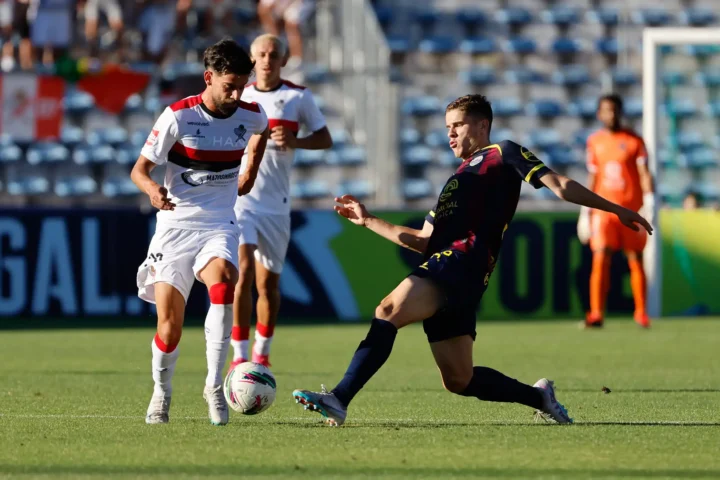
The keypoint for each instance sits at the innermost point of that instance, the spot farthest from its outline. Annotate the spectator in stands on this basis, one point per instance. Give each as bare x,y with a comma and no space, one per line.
157,23
51,27
691,201
18,9
112,11
294,14
8,62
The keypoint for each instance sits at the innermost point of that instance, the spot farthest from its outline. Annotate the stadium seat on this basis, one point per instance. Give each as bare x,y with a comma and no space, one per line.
580,137
520,45
153,105
702,158
437,138
673,77
349,155
103,154
584,107
498,134
560,15
690,140
697,17
561,155
651,17
478,46
386,15
566,46
417,156
47,152
71,136
409,136
118,186
340,137
422,106
608,46
666,158
708,191
417,188
633,107
309,189
708,78
308,158
448,159
360,189
681,108
507,107
522,75
544,138
483,75
572,75
315,73
75,186
134,103
109,135
426,17
398,44
127,154
10,153
545,108
604,16
471,18
28,185
712,109
514,16
438,44
701,50
625,77
76,102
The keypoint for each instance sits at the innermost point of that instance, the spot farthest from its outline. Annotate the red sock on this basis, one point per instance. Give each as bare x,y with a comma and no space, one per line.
162,346
240,333
265,330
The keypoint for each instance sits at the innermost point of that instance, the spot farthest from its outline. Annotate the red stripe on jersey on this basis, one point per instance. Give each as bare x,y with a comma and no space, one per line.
188,102
253,107
290,84
279,122
250,84
208,155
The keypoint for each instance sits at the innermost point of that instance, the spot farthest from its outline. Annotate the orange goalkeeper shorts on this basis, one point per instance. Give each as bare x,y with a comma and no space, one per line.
608,233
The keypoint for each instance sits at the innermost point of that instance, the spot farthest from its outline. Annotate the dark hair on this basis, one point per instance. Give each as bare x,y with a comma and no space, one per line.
227,56
477,106
611,97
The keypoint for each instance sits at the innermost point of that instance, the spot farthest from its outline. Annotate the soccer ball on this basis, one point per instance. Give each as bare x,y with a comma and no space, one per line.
250,388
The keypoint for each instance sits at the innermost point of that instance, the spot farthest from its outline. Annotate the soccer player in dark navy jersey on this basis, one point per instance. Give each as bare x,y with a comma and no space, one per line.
460,242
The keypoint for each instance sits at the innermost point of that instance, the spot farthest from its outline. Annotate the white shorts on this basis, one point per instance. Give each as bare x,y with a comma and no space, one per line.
158,23
177,256
292,11
51,28
271,234
110,7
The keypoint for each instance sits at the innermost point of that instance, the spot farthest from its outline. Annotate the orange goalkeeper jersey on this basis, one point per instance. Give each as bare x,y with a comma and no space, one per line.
614,158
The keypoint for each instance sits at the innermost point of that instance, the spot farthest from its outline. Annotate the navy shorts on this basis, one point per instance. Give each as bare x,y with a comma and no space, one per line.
463,280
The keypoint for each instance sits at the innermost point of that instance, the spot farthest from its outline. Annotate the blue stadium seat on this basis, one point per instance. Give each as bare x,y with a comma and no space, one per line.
437,138
666,158
520,45
119,187
507,107
386,15
422,106
561,15
681,108
448,159
309,189
127,154
584,107
410,136
701,50
143,67
673,77
103,154
76,102
70,136
478,46
134,103
340,137
47,152
690,140
75,186
10,153
28,185
608,46
566,46
633,107
109,135
498,134
82,154
398,44
651,17
483,75
426,18
561,155
712,109
309,157
138,137
417,156
360,189
697,17
572,75
471,17
708,191
514,16
625,77
315,73
604,16
544,138
417,188
546,108
702,158
349,155
580,137
153,105
522,75
438,44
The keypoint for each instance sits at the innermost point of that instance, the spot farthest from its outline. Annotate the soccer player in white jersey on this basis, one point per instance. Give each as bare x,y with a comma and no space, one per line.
201,140
263,215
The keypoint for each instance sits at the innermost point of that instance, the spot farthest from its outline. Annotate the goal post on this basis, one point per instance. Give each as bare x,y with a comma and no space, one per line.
653,38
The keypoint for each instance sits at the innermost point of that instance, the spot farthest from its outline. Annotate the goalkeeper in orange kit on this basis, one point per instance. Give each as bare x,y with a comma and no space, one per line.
618,171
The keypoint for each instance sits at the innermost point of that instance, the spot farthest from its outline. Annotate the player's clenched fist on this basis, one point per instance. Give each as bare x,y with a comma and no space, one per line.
283,137
352,209
159,199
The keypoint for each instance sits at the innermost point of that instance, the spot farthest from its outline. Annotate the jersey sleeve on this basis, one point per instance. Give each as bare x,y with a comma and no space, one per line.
262,121
162,137
524,162
430,217
642,156
310,114
590,157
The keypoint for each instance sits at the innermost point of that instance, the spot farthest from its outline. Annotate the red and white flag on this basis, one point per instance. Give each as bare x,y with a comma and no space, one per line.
31,106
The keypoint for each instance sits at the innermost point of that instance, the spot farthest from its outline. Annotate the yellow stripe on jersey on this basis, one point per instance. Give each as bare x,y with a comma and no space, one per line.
496,146
535,169
432,213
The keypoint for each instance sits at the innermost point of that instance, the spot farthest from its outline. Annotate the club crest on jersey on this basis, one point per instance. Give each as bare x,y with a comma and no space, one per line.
476,160
279,105
528,155
240,132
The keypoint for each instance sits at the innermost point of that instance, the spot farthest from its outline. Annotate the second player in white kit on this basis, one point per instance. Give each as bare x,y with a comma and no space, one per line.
263,215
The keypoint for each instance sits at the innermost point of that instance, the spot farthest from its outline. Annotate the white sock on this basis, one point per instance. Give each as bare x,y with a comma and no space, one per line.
163,367
262,344
218,325
240,349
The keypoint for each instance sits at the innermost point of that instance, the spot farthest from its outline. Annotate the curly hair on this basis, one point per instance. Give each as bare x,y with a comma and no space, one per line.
227,56
476,105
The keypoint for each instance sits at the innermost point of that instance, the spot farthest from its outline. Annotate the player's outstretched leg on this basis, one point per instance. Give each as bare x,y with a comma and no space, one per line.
242,305
413,300
171,310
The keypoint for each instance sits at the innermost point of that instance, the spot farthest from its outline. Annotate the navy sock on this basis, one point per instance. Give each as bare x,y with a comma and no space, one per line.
370,355
492,386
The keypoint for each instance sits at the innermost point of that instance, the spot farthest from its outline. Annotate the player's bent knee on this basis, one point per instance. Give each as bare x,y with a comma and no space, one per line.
169,330
455,383
386,310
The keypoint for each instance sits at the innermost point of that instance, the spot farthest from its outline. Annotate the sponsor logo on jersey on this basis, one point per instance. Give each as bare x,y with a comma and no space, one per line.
195,179
528,155
448,189
199,124
240,131
152,138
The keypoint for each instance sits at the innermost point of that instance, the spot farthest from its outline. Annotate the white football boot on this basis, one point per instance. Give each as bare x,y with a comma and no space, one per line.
552,409
323,402
217,405
158,410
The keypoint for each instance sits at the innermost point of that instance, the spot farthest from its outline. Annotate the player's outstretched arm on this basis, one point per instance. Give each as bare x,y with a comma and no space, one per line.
318,140
140,176
407,237
571,191
256,149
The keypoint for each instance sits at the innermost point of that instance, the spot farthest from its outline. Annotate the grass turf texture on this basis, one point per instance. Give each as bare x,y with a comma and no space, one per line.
72,404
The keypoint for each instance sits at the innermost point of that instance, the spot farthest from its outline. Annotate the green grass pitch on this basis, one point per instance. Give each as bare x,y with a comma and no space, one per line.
72,404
